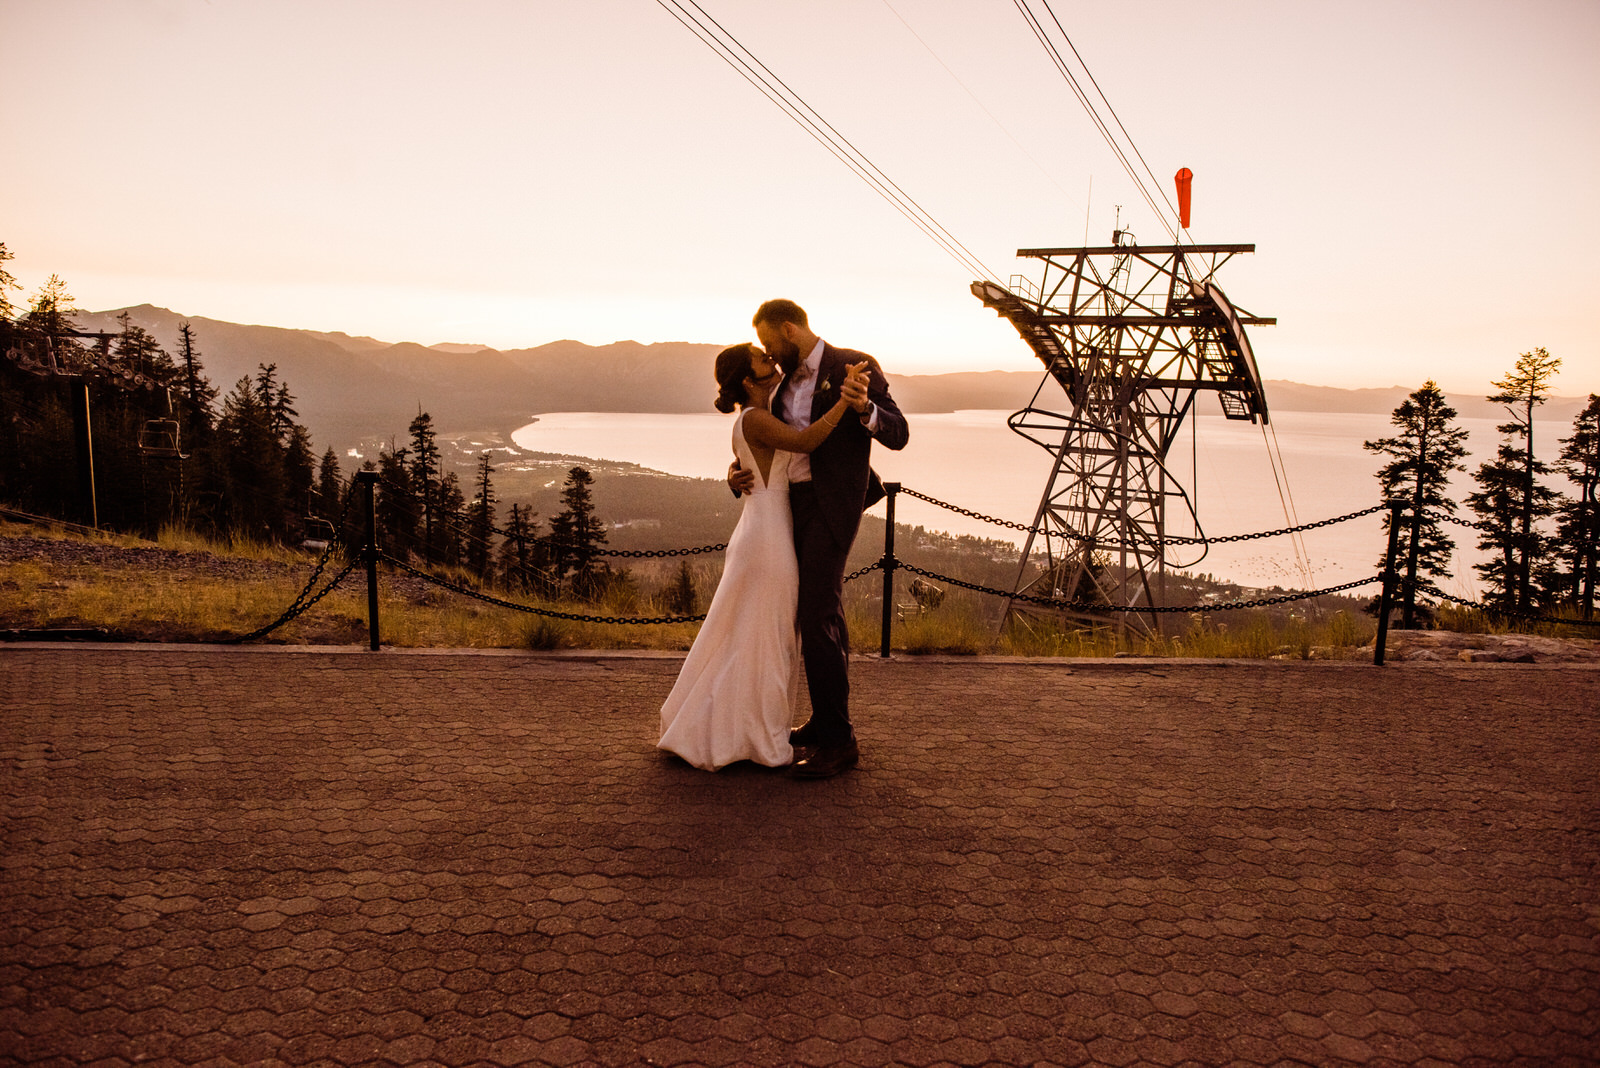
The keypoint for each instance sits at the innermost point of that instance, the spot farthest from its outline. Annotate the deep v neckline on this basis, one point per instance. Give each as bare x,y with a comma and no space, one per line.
766,475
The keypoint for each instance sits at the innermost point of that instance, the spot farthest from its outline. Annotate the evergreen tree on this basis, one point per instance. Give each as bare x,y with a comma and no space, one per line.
300,481
424,471
277,400
1424,453
681,597
330,487
198,394
1578,517
576,535
138,353
7,283
1511,499
249,466
398,510
49,319
480,525
450,528
523,558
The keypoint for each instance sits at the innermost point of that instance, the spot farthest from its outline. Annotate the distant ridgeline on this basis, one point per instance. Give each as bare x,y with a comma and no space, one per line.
354,389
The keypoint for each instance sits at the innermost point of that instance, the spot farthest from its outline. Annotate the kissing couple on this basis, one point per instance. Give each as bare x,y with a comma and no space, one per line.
808,415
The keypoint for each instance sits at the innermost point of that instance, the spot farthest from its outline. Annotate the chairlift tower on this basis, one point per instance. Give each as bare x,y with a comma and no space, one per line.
1132,334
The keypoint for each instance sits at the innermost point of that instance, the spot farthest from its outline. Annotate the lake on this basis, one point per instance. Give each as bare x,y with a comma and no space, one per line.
973,460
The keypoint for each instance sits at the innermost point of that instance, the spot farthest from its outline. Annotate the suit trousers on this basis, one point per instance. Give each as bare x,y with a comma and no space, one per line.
824,638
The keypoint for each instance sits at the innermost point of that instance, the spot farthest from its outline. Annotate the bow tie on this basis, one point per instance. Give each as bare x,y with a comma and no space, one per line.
800,374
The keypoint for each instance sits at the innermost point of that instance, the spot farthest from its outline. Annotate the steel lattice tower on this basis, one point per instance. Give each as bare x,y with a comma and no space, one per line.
1131,333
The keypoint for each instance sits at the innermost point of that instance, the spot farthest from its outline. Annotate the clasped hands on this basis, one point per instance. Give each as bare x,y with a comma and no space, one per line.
856,383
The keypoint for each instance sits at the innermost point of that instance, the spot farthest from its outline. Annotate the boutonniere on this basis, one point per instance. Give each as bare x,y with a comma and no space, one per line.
824,386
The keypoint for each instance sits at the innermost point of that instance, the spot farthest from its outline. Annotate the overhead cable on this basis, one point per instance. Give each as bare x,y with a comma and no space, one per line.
742,60
1065,70
1159,186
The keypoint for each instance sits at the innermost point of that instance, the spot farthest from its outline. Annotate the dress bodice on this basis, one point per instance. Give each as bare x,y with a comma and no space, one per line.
776,482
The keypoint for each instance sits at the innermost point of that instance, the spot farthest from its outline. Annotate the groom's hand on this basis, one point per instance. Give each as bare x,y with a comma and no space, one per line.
740,481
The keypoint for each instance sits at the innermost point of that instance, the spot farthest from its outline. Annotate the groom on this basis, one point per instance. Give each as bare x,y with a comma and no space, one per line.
828,490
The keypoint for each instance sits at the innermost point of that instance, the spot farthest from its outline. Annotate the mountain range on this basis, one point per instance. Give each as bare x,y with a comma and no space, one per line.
358,389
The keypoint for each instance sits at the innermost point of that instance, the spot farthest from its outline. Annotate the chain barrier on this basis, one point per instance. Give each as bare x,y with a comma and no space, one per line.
1175,540
654,553
1446,517
306,599
1511,613
301,603
1096,606
467,591
869,569
301,606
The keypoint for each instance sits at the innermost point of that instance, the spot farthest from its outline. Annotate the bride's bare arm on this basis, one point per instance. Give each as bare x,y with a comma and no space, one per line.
761,427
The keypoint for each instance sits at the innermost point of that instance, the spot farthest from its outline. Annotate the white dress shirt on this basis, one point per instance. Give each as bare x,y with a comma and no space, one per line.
797,411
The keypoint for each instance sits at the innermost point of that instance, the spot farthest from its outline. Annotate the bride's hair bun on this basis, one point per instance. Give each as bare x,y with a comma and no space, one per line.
733,367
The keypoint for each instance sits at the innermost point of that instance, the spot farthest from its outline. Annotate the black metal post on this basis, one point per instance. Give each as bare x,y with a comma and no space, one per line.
370,480
1386,601
889,563
84,438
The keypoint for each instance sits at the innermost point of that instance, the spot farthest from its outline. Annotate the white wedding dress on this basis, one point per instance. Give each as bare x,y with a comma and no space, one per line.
735,697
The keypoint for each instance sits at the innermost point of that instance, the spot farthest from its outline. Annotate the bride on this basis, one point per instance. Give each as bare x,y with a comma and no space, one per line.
735,696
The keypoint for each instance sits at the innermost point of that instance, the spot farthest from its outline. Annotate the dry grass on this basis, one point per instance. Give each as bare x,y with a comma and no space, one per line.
204,603
1249,636
256,583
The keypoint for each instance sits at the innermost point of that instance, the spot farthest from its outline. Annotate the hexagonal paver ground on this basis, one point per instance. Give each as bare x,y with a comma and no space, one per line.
262,856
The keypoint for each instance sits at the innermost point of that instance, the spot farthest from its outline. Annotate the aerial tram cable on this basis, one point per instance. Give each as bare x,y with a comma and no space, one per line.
732,52
1297,540
992,116
1160,187
1065,71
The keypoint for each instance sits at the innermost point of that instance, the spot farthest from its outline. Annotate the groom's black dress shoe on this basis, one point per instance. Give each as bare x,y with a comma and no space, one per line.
825,761
802,736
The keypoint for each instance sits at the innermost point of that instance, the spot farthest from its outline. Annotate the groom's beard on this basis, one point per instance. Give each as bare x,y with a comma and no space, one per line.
787,355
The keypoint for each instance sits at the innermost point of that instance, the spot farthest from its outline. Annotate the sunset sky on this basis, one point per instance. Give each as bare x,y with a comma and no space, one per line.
1419,177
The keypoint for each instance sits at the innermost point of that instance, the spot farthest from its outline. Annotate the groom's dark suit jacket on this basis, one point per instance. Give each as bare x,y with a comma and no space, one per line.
839,470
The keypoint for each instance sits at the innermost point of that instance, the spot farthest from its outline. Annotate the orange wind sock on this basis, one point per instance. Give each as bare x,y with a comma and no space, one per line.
1183,178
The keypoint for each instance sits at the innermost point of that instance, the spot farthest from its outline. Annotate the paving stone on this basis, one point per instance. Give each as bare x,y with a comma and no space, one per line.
267,856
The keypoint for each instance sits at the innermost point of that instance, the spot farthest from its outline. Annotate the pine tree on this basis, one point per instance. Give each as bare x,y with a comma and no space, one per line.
300,481
278,401
1578,517
576,536
140,354
424,470
480,525
1511,499
330,487
450,528
1426,450
7,284
198,394
398,510
523,557
49,319
250,466
681,597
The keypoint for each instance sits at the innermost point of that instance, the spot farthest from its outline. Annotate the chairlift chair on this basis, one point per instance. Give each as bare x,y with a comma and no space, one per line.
159,438
319,534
